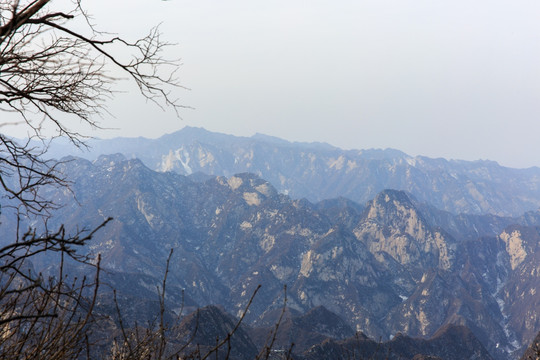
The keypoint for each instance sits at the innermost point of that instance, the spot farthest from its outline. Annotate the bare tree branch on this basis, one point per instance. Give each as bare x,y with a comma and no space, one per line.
53,72
48,67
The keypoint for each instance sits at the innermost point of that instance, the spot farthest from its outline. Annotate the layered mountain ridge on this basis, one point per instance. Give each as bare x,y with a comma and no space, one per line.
392,265
319,171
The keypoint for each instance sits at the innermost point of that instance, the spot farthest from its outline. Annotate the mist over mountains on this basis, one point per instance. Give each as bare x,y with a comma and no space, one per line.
318,171
379,242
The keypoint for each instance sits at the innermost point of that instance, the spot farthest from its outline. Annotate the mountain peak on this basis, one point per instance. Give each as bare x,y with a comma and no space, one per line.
211,323
249,183
388,204
109,160
388,195
391,223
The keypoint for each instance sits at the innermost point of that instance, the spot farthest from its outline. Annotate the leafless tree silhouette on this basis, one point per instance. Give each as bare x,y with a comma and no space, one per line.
50,67
53,71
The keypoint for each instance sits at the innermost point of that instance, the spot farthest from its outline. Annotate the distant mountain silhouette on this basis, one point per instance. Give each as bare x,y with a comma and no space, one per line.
319,171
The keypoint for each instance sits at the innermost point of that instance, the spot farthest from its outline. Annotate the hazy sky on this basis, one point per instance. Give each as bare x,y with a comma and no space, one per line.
455,79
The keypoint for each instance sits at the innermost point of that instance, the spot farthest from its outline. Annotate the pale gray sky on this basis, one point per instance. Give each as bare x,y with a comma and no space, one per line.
455,79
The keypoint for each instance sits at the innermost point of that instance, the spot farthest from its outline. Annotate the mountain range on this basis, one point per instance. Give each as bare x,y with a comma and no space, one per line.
392,265
351,245
318,171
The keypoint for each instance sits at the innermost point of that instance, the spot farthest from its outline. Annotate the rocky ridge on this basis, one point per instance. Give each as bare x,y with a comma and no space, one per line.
387,267
319,171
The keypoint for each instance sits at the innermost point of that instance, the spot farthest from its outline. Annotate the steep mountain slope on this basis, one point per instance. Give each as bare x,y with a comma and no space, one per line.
319,171
384,267
518,295
533,351
206,327
440,346
303,330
